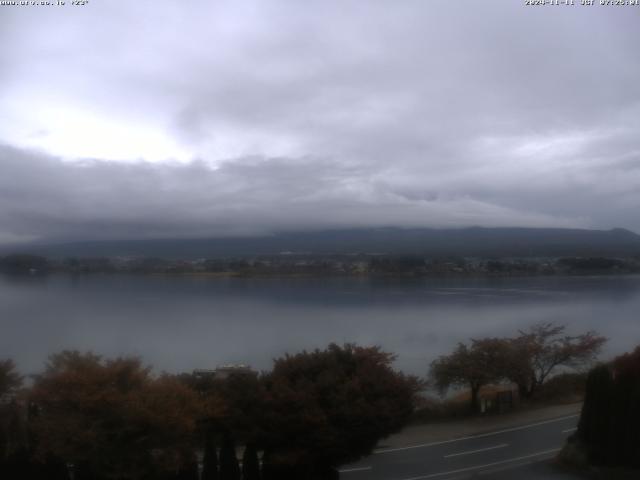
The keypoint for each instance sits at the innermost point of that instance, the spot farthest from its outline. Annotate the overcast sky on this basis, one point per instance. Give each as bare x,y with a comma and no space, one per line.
129,119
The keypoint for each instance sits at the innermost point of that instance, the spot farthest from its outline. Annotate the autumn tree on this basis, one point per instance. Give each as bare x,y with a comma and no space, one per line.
473,366
112,418
329,407
537,353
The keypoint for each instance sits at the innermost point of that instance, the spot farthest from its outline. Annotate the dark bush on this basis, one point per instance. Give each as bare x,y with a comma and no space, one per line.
609,427
566,387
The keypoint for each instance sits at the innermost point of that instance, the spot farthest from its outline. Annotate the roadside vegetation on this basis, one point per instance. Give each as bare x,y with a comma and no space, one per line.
101,419
114,419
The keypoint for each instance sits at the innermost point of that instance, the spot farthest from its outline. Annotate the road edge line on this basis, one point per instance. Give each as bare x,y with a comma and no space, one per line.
478,467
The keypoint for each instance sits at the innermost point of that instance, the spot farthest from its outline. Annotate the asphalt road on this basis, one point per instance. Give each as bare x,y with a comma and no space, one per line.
520,452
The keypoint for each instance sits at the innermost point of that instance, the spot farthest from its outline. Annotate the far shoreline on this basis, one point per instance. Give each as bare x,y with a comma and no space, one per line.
328,275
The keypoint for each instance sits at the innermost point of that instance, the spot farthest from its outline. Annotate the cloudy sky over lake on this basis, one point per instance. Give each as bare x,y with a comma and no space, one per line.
128,119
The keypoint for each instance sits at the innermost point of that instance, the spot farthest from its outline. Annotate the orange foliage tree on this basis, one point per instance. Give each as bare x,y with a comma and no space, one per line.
112,418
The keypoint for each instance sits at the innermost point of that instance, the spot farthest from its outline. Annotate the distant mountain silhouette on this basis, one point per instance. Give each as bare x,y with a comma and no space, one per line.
476,241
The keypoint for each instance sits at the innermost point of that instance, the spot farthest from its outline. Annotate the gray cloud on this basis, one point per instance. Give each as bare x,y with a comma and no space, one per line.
318,114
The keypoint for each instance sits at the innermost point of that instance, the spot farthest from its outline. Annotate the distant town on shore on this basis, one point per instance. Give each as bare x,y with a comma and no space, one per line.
381,251
292,264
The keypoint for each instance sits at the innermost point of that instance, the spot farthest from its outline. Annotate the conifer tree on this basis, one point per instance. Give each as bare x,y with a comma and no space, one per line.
229,468
624,441
250,463
210,460
595,420
189,467
609,426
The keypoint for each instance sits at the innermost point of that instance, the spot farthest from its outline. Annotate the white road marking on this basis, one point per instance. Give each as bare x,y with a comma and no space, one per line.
570,430
357,469
477,451
471,437
487,465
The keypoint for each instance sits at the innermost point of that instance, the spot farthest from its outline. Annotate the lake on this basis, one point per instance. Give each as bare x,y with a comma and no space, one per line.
181,323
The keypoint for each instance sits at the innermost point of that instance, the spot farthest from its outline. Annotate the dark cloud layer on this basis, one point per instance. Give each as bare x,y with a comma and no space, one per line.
247,117
43,197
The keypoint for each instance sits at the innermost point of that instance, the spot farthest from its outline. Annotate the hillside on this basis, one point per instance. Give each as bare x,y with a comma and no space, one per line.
482,242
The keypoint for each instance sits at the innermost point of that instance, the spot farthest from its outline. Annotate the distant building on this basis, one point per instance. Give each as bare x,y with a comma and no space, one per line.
223,372
499,400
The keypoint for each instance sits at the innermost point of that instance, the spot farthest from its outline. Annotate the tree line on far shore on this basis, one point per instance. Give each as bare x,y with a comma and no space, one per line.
288,263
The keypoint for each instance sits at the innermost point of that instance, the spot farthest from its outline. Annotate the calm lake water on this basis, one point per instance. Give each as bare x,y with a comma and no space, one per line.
181,323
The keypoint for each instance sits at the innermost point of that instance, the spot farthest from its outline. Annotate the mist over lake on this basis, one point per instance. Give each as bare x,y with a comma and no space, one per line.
178,323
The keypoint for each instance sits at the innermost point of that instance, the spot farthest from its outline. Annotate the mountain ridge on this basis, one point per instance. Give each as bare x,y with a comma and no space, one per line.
428,242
